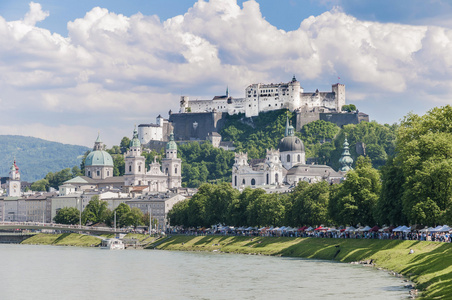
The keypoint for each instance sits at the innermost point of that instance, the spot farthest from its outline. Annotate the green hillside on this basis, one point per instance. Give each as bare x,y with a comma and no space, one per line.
36,157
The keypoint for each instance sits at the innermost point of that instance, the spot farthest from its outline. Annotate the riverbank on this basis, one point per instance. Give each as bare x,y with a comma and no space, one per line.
80,240
430,266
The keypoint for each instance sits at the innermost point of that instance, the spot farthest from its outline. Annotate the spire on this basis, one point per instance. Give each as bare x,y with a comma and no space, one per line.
98,140
98,145
135,142
171,145
287,125
346,160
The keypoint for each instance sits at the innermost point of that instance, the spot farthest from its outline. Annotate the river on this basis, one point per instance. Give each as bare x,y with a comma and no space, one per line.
51,272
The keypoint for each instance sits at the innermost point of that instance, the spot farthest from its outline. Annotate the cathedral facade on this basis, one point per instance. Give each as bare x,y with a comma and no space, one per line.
99,168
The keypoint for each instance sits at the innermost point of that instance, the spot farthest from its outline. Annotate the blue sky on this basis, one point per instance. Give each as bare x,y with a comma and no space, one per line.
70,69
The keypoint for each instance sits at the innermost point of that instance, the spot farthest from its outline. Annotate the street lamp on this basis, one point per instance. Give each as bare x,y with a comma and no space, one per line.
80,218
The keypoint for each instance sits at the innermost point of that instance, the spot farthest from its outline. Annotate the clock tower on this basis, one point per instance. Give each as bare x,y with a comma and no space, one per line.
14,181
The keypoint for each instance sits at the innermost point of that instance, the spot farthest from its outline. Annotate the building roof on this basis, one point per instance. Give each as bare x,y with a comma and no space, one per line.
99,158
291,143
87,180
313,170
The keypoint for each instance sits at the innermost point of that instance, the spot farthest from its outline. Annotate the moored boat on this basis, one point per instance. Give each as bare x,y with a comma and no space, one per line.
112,244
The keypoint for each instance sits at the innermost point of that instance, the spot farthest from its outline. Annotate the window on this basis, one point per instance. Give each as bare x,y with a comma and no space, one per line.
299,157
288,157
253,182
175,171
89,173
243,181
276,177
166,171
268,177
139,168
108,173
98,173
235,180
130,168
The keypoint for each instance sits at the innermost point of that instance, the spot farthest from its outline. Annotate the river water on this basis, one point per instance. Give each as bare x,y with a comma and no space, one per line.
51,272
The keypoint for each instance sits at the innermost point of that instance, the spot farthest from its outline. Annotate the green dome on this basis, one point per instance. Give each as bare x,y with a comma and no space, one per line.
99,158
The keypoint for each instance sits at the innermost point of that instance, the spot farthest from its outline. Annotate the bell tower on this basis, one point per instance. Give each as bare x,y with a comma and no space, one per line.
171,165
14,181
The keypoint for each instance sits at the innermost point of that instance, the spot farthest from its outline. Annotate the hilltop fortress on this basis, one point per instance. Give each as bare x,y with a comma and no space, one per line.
261,97
203,119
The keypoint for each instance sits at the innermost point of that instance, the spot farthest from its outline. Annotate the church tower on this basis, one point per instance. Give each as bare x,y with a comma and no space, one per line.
134,162
14,181
346,160
171,165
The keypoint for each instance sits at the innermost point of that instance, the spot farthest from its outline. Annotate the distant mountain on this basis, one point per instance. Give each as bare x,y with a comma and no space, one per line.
36,157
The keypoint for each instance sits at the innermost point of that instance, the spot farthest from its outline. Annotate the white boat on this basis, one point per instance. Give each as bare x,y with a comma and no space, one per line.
112,244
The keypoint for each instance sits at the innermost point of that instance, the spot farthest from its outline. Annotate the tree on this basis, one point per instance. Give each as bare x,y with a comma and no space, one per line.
319,130
310,204
124,145
355,199
40,185
133,218
76,172
178,215
67,215
390,206
121,210
424,147
95,212
349,107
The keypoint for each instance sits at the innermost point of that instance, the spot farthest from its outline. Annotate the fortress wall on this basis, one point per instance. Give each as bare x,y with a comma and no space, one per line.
184,129
341,119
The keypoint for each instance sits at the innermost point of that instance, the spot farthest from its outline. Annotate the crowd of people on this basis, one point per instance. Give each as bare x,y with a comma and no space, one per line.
388,233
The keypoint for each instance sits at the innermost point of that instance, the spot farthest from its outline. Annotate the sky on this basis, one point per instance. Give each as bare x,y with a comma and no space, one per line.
72,69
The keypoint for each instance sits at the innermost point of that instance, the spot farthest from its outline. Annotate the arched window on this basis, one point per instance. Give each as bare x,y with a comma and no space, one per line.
288,157
98,173
89,173
243,181
276,177
235,180
268,177
108,173
253,182
299,158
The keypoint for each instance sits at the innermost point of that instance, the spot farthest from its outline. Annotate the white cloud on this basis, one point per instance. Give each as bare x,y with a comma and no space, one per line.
35,14
112,69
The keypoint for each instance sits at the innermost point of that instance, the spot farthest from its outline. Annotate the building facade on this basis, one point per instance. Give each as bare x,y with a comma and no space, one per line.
283,167
268,97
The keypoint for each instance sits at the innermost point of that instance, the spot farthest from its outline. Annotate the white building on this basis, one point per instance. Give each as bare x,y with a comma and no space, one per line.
154,132
157,205
284,167
267,97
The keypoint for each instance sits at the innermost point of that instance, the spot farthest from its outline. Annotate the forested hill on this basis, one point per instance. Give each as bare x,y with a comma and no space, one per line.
323,140
36,157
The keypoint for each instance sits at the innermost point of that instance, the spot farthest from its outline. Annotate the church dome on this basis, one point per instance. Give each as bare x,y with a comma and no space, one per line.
99,158
291,143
